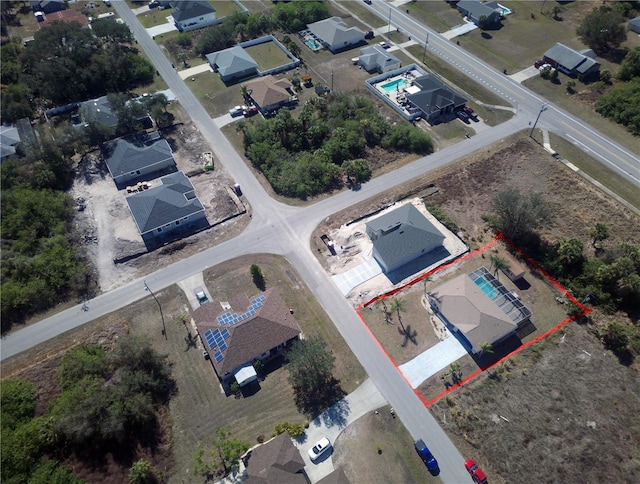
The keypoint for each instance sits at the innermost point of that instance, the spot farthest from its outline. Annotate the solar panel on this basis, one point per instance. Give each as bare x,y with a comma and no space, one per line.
223,346
225,333
218,356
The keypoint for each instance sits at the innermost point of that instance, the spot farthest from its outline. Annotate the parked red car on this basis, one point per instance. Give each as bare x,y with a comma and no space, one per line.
475,472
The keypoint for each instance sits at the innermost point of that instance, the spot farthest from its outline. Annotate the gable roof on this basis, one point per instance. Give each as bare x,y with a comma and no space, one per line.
251,326
336,477
8,139
404,232
335,32
570,58
185,10
374,56
135,152
231,60
276,462
164,204
434,95
268,90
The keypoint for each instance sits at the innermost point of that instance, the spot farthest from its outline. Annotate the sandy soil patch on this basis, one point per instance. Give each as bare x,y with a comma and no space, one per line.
104,226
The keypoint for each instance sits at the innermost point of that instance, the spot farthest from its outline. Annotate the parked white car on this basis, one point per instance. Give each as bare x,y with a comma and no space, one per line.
320,448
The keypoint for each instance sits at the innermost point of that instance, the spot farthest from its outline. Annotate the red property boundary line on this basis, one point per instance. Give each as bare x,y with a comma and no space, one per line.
499,236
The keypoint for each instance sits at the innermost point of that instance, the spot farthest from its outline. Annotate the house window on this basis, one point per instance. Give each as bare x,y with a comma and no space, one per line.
280,346
177,222
137,172
159,229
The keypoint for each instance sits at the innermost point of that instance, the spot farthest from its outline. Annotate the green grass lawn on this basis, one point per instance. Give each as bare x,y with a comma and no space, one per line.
268,55
154,17
557,93
225,7
596,169
214,95
359,11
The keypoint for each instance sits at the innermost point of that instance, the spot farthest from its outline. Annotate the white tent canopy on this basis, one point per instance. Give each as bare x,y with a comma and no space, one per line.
245,375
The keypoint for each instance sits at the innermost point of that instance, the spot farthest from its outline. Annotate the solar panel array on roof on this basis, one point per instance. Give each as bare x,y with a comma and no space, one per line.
232,319
216,338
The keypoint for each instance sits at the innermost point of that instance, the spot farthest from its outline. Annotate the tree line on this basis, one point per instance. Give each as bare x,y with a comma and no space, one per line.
287,17
107,402
326,145
67,63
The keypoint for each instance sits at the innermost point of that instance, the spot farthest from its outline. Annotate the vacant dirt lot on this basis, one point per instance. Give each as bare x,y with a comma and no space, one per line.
106,228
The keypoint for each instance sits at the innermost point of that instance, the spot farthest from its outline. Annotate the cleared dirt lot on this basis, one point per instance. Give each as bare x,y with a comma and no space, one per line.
106,228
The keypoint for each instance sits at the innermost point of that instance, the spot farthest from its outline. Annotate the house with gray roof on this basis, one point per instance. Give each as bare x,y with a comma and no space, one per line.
47,6
192,15
168,211
277,461
233,64
99,111
137,156
478,309
401,236
237,332
475,10
376,59
335,35
9,138
570,61
433,98
634,25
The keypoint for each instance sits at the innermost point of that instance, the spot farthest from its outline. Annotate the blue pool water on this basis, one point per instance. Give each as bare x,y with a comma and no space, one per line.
312,44
486,288
394,85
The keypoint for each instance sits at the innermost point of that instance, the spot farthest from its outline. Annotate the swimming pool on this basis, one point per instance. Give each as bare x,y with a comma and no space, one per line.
486,287
394,85
312,44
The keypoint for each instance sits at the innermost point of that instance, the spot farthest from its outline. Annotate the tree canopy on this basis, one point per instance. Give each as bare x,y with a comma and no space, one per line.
515,214
222,455
602,29
622,105
325,145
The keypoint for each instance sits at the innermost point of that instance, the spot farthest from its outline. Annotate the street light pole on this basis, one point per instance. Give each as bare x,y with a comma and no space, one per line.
147,288
543,108
389,31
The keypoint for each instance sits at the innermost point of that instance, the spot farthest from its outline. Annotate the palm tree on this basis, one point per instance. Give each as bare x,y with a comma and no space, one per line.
398,305
183,319
182,56
498,264
245,92
486,347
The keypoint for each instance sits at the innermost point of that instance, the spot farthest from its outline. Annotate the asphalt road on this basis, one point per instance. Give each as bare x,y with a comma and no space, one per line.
528,104
281,229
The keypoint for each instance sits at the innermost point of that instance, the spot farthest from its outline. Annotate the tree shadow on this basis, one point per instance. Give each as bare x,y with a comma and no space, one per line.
336,415
191,341
313,404
409,335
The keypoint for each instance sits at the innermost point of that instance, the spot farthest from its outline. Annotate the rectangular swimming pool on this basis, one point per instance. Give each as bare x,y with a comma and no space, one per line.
394,85
486,287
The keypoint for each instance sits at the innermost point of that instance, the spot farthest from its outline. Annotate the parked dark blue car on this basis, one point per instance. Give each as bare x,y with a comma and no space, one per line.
427,457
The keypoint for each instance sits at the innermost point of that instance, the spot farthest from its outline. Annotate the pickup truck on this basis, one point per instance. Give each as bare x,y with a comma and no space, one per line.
427,457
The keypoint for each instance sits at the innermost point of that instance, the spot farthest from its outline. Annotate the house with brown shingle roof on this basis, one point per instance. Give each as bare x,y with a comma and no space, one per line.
478,308
269,93
242,330
276,462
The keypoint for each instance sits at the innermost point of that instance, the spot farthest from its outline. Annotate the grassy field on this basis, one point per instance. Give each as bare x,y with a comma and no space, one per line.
570,410
268,55
580,105
225,7
597,170
360,11
154,17
378,449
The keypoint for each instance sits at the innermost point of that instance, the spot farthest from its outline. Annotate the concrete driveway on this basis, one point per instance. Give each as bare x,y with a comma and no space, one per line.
366,398
189,285
433,360
162,29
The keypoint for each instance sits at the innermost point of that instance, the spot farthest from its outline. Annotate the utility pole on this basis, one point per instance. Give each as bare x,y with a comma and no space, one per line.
147,288
389,31
424,54
543,108
332,81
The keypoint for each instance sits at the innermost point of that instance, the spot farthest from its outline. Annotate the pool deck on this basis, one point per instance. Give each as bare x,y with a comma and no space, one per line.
398,96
